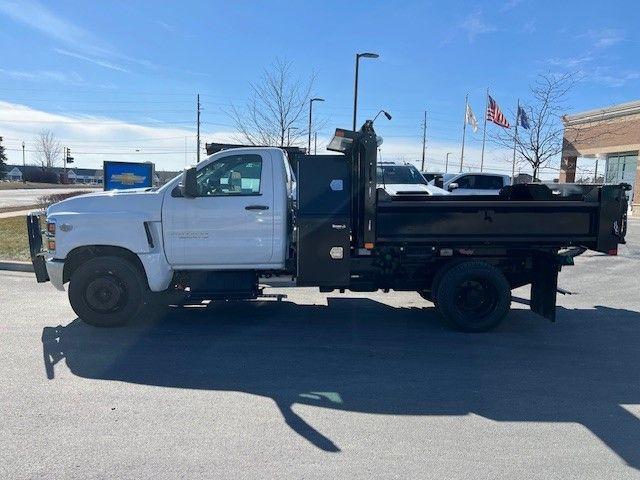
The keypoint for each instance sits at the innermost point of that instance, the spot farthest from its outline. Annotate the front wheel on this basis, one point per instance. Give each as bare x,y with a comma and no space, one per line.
107,291
474,296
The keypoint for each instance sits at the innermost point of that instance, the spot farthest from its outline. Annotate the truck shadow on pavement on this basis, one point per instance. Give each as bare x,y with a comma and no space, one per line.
360,355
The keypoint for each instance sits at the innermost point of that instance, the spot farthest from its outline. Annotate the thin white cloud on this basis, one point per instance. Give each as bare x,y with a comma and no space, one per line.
530,26
609,78
165,25
91,48
510,5
70,78
95,61
570,63
94,139
604,38
474,25
38,17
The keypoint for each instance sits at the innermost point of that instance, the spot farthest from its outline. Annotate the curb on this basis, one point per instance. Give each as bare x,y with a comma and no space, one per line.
16,266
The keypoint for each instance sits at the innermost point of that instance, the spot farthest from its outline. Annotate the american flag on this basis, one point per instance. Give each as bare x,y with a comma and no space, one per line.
495,115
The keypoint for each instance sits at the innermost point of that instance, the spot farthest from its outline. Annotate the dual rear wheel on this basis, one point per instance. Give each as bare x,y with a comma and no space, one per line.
473,296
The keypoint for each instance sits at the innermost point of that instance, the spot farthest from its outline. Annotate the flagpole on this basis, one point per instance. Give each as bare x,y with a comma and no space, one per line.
484,133
464,129
515,141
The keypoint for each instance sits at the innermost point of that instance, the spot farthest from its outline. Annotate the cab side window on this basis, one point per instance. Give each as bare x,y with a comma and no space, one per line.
490,182
235,175
466,182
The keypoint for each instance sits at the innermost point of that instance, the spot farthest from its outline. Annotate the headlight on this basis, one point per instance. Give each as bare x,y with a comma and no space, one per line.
51,236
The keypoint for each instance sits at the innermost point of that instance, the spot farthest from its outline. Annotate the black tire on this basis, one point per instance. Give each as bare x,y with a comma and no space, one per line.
107,291
474,296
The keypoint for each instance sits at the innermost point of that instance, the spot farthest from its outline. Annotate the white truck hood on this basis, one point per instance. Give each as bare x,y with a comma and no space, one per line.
137,201
124,219
414,188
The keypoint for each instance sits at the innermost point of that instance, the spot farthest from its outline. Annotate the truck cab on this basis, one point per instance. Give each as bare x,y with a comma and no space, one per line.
238,216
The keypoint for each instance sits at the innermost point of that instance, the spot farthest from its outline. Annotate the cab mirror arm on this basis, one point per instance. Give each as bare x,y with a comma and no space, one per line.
189,184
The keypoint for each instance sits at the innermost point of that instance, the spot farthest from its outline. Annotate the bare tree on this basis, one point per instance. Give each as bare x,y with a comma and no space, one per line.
48,151
543,140
274,113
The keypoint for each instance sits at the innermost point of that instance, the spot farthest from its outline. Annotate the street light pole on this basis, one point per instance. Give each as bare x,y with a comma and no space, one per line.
424,139
316,99
355,90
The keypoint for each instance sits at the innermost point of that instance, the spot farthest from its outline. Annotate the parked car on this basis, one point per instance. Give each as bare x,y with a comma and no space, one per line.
405,179
475,183
430,176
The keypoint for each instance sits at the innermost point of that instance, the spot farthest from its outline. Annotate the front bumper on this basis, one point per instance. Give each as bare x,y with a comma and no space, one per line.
55,269
46,269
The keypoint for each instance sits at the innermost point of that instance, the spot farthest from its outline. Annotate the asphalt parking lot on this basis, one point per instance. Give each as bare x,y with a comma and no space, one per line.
331,386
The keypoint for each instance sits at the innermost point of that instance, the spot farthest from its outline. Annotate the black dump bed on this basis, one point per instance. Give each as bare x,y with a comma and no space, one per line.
593,217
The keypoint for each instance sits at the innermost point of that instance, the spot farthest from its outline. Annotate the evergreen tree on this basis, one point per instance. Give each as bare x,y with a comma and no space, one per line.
3,161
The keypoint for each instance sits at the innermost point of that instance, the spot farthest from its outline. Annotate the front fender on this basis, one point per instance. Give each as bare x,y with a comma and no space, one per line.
118,229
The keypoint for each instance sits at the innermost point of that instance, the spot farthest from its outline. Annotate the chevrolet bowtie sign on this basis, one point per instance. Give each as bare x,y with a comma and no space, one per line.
124,175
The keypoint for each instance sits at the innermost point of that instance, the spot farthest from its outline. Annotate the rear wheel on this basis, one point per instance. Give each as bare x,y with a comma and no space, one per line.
474,296
107,291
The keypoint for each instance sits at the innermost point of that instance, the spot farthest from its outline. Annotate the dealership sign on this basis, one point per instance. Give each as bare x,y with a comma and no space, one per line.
125,175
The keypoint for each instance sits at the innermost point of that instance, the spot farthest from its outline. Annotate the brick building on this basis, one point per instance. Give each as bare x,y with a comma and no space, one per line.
611,135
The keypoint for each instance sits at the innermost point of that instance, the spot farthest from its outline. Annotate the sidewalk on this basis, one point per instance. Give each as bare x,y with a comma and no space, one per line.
19,213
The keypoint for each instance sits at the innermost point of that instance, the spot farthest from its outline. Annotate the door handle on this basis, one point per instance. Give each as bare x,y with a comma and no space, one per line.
256,207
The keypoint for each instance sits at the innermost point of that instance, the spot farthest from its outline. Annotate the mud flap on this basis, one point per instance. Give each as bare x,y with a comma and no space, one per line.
544,285
34,234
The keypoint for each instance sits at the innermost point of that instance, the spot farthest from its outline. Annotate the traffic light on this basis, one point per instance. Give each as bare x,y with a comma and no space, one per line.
69,157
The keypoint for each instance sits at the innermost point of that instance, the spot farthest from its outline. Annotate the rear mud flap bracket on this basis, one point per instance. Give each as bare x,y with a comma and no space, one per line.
544,285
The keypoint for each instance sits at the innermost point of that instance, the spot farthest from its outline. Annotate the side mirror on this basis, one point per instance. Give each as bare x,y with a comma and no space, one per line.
453,186
189,185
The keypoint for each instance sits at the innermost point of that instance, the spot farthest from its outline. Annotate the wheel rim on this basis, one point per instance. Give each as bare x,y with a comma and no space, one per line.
476,298
105,294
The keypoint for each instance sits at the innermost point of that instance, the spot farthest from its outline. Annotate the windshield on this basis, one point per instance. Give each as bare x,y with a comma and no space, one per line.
399,174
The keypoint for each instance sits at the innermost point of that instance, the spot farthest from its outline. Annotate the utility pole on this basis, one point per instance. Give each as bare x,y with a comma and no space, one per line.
23,163
315,99
515,144
424,139
198,134
484,132
446,163
315,143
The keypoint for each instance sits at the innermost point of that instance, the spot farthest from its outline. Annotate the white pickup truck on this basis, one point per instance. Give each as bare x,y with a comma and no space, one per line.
242,215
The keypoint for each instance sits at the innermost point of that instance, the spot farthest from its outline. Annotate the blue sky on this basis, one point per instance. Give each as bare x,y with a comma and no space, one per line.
110,78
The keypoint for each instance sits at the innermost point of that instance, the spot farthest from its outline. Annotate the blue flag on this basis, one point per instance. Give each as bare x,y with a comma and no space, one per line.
523,120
